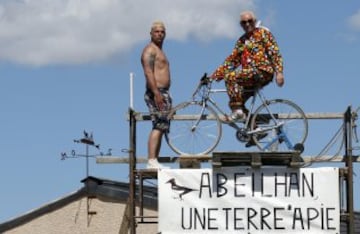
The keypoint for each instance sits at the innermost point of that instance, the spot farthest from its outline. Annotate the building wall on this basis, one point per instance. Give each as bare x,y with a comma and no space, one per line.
72,218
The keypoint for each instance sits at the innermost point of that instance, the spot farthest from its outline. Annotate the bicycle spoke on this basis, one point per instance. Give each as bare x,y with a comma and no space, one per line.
195,135
288,128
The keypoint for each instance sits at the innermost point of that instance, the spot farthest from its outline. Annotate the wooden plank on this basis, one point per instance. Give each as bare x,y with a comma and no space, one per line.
143,116
142,159
125,223
146,173
324,115
257,159
336,158
205,158
115,159
189,163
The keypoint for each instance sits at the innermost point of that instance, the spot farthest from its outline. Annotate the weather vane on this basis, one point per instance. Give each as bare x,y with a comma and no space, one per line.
88,140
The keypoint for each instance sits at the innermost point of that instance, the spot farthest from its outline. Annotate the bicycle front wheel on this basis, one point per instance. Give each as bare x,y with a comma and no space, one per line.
195,129
279,125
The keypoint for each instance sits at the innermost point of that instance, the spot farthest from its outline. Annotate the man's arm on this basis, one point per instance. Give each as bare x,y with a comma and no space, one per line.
231,63
148,63
276,58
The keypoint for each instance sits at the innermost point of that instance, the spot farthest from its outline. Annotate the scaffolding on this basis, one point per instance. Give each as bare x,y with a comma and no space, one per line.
253,159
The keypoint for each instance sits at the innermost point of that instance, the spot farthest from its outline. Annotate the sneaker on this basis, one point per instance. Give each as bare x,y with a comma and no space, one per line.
251,142
237,115
154,164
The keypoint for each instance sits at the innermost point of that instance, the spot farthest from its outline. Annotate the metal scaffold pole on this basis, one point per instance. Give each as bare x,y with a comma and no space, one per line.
349,164
132,167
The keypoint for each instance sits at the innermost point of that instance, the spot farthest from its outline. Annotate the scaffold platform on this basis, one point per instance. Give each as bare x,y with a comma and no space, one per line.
257,159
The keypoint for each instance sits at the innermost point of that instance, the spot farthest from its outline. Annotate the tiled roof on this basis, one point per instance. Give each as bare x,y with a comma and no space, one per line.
102,189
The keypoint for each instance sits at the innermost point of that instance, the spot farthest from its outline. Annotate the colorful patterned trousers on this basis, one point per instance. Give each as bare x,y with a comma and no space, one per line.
240,86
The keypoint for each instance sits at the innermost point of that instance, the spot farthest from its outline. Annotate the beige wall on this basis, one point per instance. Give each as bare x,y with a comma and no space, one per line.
72,219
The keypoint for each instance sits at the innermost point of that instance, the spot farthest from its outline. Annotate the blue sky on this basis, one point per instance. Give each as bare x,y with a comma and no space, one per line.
65,68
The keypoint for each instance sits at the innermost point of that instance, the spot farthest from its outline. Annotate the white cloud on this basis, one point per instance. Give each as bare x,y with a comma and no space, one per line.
41,32
354,21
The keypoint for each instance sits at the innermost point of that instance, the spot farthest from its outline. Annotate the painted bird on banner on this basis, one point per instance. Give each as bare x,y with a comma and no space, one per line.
178,189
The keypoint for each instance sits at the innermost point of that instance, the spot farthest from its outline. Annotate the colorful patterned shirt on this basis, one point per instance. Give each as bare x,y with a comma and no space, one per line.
256,51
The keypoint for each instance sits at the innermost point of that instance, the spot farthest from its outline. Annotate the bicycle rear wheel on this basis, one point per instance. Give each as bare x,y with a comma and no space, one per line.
194,130
280,125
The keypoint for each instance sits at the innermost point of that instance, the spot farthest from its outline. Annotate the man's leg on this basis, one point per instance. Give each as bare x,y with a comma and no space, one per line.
160,125
233,91
154,143
236,102
264,80
248,82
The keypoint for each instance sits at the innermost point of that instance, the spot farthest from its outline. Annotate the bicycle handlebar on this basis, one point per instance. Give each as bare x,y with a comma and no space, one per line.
205,80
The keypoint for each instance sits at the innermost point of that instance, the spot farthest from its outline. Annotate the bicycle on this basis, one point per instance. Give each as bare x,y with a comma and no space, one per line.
276,125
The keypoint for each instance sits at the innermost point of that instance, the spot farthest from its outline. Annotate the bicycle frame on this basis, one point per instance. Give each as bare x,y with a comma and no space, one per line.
206,99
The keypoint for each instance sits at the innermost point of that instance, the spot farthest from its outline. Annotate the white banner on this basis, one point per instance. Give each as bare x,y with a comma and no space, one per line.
244,200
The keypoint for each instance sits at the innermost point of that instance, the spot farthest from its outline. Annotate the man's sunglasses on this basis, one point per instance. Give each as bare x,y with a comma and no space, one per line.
244,22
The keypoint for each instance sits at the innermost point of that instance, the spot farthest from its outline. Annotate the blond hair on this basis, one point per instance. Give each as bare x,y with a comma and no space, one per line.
157,23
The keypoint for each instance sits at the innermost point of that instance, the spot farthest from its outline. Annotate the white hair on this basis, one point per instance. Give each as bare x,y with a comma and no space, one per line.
248,13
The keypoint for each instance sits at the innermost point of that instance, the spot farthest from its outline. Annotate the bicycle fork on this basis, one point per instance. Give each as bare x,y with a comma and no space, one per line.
194,126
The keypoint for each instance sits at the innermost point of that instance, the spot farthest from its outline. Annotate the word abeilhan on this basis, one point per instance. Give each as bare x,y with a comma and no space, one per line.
248,217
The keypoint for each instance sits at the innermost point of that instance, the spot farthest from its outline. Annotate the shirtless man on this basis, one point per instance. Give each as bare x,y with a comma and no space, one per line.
157,96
